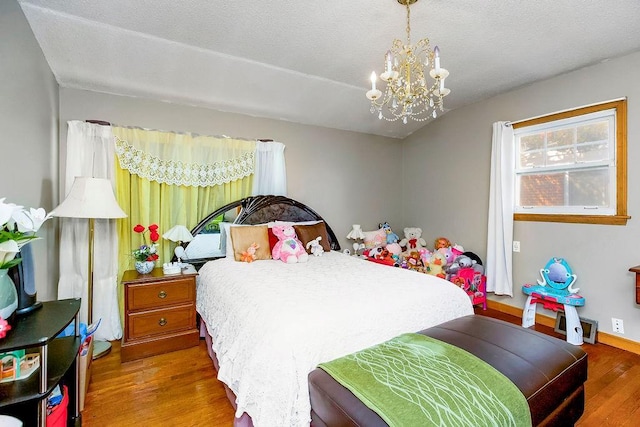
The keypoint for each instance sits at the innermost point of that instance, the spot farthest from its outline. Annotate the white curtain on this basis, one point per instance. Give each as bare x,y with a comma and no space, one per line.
90,152
499,267
270,174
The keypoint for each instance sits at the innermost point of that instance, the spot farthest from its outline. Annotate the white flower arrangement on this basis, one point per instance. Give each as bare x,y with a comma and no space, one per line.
18,227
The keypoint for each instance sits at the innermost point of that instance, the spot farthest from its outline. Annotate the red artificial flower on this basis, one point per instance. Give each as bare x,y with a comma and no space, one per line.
154,236
153,228
139,228
4,327
152,257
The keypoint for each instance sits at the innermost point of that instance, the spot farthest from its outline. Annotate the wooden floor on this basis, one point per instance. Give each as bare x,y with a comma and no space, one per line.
180,389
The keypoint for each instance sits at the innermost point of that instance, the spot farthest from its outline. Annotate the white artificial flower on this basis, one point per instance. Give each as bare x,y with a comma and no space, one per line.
7,211
30,221
8,251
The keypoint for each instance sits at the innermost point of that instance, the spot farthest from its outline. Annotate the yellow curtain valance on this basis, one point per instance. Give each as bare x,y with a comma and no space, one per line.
183,158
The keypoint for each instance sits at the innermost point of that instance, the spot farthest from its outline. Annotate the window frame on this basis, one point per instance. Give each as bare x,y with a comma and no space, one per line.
620,216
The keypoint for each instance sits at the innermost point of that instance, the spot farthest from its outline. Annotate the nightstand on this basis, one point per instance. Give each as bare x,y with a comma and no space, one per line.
159,313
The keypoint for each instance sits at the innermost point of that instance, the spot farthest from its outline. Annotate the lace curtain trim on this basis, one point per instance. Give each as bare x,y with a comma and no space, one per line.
174,172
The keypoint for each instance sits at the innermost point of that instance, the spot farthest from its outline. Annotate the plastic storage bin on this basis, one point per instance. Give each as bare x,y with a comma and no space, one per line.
58,417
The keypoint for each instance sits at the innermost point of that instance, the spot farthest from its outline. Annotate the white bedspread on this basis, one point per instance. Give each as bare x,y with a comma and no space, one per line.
272,323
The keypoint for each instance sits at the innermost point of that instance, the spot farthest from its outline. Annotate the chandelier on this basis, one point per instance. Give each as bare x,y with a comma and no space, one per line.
408,93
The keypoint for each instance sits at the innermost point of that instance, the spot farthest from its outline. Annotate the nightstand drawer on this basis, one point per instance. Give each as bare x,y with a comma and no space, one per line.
160,294
159,322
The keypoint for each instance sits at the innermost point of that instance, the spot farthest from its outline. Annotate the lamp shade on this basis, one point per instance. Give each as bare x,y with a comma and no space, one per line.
90,198
356,232
178,233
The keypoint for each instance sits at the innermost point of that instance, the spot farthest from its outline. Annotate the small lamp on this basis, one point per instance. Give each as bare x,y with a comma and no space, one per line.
177,234
356,234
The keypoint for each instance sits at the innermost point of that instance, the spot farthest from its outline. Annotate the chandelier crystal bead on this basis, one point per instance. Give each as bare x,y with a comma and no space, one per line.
408,93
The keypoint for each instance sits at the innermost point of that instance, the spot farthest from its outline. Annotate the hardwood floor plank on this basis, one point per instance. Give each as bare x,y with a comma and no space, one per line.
181,389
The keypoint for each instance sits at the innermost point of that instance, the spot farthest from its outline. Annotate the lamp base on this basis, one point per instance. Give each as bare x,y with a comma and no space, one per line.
101,348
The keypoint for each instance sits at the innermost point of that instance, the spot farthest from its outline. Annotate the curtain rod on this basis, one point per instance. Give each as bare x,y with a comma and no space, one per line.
104,123
515,122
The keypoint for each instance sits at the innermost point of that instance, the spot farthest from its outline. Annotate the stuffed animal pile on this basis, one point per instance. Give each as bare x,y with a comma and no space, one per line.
448,261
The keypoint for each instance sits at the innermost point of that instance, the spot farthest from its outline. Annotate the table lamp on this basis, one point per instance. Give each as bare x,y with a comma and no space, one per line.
356,234
91,198
177,234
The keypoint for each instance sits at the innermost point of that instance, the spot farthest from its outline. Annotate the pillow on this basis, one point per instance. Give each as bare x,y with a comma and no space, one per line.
273,239
375,238
226,246
226,243
278,222
243,236
307,233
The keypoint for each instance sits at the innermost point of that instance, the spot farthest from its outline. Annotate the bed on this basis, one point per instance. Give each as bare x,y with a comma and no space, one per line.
270,324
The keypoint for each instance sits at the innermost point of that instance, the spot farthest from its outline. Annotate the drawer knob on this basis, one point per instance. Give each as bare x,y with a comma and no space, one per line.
162,295
162,321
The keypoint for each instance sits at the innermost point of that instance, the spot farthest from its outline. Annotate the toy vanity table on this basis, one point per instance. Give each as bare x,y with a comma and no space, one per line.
555,292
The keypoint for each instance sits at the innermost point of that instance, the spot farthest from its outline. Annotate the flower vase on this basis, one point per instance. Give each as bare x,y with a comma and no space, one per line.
145,267
8,295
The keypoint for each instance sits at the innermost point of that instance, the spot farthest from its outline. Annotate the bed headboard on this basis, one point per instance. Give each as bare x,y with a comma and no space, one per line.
260,210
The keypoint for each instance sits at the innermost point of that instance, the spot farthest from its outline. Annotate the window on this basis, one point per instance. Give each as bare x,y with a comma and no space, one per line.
572,166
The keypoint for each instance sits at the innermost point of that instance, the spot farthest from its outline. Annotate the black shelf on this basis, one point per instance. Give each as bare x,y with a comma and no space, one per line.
41,326
36,332
62,353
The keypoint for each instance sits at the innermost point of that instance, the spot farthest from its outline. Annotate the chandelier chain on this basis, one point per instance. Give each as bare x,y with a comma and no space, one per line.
408,24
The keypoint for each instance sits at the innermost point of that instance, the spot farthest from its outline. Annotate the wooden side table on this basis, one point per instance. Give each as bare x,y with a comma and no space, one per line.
636,270
159,313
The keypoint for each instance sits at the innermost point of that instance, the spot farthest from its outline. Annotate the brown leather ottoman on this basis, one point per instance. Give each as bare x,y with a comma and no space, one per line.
549,372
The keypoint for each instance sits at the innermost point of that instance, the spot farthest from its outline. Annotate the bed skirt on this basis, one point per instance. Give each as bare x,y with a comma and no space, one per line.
245,420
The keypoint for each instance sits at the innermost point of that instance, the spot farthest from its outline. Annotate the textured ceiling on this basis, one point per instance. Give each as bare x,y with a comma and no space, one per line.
309,61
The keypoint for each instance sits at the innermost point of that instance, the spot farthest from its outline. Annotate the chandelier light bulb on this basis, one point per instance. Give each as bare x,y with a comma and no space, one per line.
436,53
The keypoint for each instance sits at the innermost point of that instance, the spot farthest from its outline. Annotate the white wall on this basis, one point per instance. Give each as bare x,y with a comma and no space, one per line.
29,143
447,168
345,176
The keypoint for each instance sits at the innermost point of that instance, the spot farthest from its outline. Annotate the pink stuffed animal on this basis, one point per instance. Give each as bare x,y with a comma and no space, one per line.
288,248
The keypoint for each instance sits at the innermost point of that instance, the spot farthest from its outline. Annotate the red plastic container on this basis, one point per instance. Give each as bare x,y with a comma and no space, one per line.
58,417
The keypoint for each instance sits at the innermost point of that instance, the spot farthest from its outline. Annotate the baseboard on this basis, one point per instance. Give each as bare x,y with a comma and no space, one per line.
541,319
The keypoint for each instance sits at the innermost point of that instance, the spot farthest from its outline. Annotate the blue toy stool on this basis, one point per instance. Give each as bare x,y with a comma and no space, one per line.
555,292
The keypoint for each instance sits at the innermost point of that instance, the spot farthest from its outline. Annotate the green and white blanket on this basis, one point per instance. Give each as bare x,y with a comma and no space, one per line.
415,380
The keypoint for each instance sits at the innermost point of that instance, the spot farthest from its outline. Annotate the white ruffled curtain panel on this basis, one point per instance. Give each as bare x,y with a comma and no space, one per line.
270,175
90,152
499,266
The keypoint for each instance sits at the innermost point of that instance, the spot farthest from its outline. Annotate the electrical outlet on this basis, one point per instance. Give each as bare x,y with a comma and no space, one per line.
516,246
617,325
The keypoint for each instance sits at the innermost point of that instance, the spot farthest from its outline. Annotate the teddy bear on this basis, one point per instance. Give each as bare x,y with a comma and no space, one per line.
289,248
250,254
316,247
413,240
